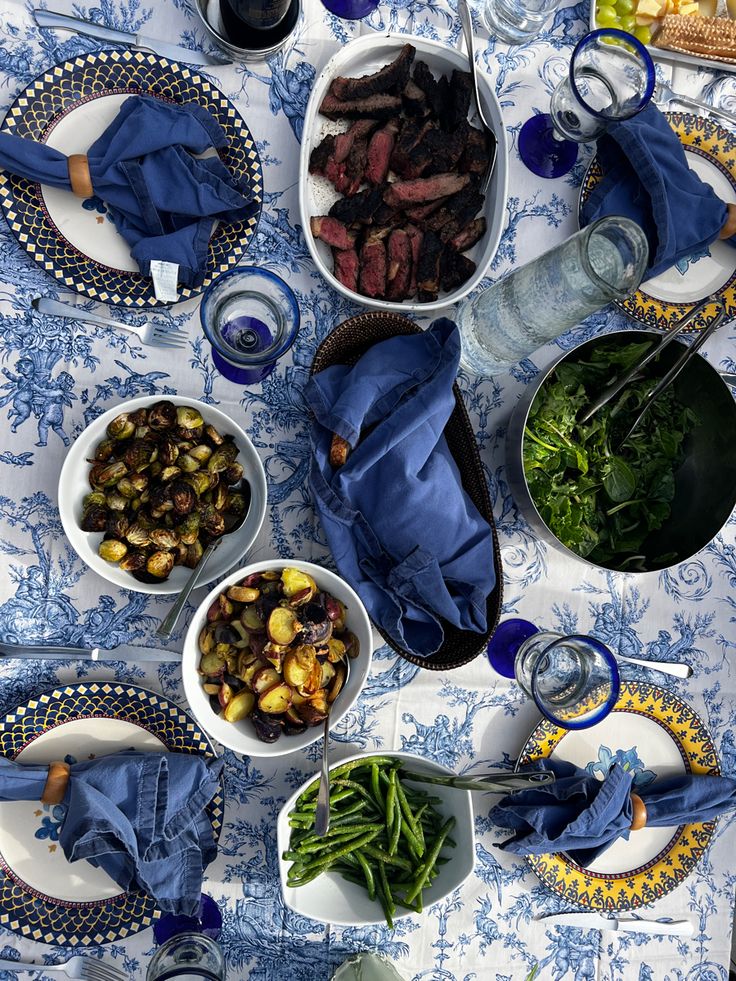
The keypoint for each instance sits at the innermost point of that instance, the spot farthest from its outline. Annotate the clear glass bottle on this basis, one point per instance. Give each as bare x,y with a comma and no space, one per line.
541,300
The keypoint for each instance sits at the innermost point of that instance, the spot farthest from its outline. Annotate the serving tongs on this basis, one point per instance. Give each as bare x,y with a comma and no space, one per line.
491,783
651,397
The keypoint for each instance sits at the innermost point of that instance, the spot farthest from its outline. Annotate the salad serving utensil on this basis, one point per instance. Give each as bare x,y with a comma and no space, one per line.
467,23
491,783
322,814
150,334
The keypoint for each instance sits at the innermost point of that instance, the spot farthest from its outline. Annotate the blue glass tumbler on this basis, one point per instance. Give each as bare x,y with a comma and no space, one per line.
573,678
350,9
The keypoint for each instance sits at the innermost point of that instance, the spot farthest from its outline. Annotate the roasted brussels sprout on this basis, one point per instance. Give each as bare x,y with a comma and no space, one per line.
160,564
200,482
116,525
140,454
168,451
139,417
187,463
213,437
138,534
188,417
222,458
133,562
189,528
116,501
164,537
194,554
126,488
201,453
104,450
107,474
161,499
162,415
112,550
121,427
94,518
94,497
183,497
169,473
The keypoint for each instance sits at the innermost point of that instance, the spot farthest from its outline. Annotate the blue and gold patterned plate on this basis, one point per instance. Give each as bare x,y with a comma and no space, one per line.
42,896
662,301
654,733
68,107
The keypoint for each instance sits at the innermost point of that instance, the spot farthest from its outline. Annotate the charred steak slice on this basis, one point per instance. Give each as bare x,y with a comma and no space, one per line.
423,211
477,153
410,136
373,267
374,107
347,265
358,130
379,153
425,80
360,208
391,77
320,155
459,101
333,232
403,193
445,149
468,236
415,101
428,267
398,270
415,237
455,269
457,212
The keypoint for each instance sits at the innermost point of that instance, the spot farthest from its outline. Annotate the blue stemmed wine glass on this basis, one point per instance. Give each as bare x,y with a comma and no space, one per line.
350,9
611,78
573,679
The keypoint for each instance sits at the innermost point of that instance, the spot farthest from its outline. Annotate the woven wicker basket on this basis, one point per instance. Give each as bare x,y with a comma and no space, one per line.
345,345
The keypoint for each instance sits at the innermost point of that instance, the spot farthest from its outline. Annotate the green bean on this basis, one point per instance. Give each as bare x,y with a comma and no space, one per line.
376,785
387,901
338,771
407,812
430,860
390,803
383,856
369,880
396,830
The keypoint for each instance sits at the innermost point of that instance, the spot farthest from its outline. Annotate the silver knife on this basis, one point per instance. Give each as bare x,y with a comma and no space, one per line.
48,18
124,652
594,921
493,783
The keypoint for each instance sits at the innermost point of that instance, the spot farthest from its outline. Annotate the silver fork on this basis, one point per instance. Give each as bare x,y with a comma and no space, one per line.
77,967
663,94
151,334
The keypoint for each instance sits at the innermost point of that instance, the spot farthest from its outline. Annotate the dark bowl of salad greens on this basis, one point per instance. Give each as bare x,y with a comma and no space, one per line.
636,505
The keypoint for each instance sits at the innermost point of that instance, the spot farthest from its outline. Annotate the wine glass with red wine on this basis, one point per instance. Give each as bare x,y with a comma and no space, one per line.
256,25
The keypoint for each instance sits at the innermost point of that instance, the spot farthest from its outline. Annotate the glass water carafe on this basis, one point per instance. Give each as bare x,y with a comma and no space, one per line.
541,300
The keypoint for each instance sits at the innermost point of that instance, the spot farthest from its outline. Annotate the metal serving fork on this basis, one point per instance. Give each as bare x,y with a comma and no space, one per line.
153,335
79,968
664,94
467,25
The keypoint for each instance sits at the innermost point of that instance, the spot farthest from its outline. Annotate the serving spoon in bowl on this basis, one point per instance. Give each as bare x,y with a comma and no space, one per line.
322,814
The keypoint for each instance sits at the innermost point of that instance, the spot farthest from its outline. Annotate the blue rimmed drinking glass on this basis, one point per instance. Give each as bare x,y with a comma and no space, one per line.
611,78
350,9
573,679
251,318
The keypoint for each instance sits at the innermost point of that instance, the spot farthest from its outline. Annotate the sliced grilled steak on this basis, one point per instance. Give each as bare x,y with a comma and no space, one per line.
360,208
374,107
398,270
423,211
425,80
459,102
456,213
415,237
388,217
379,153
333,232
358,130
346,268
391,77
415,101
428,267
468,236
355,167
455,269
403,193
321,154
372,280
477,153
445,148
410,135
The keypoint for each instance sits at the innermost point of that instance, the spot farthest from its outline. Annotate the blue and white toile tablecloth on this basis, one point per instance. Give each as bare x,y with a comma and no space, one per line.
467,719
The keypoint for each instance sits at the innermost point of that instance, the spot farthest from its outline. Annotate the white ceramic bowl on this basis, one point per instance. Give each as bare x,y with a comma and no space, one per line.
241,736
74,484
363,56
331,899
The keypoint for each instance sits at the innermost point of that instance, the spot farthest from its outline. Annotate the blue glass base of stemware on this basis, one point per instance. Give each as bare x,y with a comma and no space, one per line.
505,643
241,376
350,9
207,921
542,152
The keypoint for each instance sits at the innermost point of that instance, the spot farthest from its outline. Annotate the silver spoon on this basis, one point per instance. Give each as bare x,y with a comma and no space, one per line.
467,22
678,669
166,627
322,814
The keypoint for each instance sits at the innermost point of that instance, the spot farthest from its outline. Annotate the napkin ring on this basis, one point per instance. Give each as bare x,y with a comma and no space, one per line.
639,813
79,176
56,783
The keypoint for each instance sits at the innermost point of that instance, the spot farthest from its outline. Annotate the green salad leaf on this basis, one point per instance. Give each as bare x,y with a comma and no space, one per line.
601,497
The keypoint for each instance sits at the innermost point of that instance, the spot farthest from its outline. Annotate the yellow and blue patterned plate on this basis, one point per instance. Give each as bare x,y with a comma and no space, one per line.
42,896
654,733
665,299
68,107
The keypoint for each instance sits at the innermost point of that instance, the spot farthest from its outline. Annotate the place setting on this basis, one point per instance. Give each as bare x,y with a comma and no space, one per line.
370,617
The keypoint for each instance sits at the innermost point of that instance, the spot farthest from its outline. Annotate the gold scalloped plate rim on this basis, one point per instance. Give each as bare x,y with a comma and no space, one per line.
708,138
633,888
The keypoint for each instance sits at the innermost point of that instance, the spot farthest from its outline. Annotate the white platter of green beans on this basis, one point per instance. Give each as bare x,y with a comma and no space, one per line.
394,846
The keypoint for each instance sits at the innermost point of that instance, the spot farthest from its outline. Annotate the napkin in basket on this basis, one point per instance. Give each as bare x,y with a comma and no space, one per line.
402,530
581,815
646,177
141,817
163,200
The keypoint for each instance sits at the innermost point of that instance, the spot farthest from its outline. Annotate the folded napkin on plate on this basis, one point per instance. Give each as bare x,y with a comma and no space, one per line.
581,815
141,817
646,177
163,201
402,530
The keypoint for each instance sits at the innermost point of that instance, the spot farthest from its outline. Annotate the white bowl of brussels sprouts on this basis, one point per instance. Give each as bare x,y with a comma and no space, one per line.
147,485
264,657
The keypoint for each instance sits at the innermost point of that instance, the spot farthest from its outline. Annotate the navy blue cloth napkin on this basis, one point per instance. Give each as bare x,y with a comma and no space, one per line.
139,816
163,201
646,177
581,815
402,530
